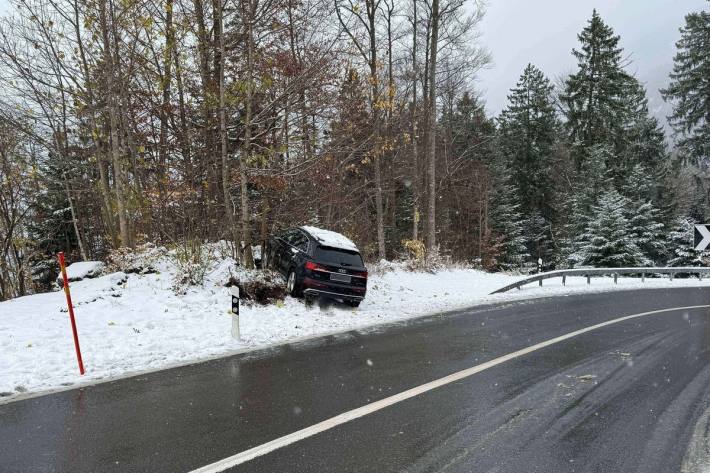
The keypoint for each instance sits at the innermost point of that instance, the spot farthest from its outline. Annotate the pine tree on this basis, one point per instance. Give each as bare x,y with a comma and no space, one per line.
595,95
528,131
680,244
689,89
472,130
570,237
595,175
51,227
641,184
506,221
590,182
538,233
640,139
648,232
616,142
608,240
643,135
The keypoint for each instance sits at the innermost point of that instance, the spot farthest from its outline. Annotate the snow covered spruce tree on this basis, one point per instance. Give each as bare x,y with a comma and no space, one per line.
591,181
618,149
594,96
538,236
646,217
506,221
605,105
608,239
689,89
641,139
648,232
528,130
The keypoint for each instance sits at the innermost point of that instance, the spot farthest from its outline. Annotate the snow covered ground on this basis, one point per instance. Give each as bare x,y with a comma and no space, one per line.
132,323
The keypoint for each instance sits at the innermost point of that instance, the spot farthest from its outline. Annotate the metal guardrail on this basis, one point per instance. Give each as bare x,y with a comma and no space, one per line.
589,272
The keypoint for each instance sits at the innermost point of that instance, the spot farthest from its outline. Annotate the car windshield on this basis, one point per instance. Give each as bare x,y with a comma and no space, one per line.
335,256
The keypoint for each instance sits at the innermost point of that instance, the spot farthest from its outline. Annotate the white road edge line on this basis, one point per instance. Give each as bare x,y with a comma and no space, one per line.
345,417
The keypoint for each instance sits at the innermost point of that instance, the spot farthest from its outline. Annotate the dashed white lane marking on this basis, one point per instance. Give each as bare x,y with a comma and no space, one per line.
345,417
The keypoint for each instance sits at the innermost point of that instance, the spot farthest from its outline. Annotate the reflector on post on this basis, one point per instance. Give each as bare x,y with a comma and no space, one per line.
234,291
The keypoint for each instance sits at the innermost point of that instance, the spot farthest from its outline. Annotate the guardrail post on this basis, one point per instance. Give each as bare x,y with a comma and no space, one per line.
643,277
588,278
671,275
564,278
540,282
700,276
616,276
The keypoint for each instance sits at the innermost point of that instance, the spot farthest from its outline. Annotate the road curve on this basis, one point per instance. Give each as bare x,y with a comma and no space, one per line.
631,396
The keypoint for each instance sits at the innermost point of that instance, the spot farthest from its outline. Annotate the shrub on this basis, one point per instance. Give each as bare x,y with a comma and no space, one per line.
192,260
140,260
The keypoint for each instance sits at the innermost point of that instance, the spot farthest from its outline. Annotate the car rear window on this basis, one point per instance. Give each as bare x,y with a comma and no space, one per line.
335,256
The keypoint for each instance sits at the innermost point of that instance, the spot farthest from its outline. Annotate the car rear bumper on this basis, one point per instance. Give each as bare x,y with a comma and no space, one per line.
313,287
331,295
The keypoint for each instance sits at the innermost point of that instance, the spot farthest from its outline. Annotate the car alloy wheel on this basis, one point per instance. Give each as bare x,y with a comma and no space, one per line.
291,283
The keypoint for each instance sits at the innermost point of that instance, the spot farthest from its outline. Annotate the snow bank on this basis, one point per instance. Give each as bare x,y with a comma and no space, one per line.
82,270
135,322
331,239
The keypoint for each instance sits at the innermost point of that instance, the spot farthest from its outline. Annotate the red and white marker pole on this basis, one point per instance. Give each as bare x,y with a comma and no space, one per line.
63,267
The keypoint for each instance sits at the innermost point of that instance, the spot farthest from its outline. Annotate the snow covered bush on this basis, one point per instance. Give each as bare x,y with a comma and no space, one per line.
192,260
142,259
416,251
419,259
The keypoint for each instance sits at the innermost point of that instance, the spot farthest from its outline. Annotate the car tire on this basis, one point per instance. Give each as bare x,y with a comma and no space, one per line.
293,286
354,303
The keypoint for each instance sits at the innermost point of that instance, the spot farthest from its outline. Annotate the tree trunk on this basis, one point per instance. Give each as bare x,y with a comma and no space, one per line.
371,14
165,105
119,179
206,166
244,159
75,223
413,118
431,158
226,172
104,186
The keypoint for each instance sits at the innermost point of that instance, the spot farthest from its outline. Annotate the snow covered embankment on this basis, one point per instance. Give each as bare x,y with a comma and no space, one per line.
135,322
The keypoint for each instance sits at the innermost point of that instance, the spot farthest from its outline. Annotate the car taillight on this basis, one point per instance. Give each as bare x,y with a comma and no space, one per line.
311,266
362,274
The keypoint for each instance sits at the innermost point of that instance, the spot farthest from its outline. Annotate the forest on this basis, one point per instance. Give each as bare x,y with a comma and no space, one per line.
176,122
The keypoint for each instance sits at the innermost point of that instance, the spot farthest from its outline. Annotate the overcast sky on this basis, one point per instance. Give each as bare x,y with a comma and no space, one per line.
544,32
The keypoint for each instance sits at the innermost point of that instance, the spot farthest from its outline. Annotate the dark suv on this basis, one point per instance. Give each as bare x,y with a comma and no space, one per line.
318,262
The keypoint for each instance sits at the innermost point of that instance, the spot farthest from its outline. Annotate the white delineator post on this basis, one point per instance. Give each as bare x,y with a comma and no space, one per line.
234,290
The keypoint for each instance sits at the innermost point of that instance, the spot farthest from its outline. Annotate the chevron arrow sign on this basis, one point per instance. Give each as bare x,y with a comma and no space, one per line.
701,237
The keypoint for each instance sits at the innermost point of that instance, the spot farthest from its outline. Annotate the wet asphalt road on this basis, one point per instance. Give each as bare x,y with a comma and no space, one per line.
626,398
